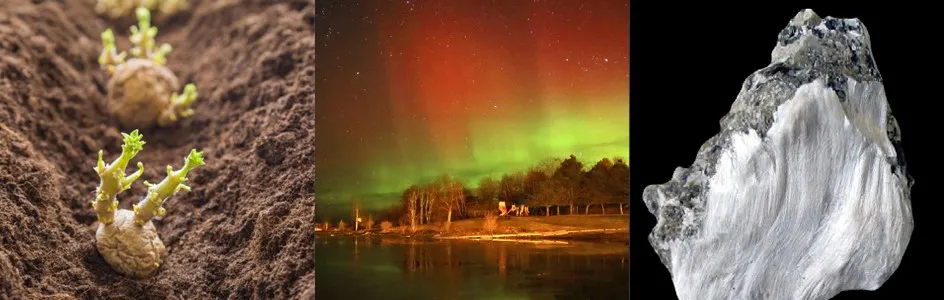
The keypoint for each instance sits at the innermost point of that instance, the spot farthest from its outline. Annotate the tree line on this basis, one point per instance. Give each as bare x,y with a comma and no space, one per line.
550,186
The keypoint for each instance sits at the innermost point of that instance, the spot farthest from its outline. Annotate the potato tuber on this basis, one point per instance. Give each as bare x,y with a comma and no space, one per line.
142,91
127,239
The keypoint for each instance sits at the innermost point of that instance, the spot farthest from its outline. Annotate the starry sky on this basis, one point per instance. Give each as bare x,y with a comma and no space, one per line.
409,90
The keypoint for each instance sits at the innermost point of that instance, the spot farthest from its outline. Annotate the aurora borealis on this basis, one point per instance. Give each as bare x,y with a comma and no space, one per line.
409,90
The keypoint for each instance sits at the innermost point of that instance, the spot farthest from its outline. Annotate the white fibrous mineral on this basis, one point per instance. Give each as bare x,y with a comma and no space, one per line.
803,193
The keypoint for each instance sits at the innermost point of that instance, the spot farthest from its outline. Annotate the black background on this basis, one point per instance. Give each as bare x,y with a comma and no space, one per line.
687,65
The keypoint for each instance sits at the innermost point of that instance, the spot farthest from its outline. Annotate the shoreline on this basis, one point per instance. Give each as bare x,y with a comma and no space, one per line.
546,234
621,236
549,237
561,229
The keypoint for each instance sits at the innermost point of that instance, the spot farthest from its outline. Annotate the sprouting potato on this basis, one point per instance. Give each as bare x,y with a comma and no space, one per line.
142,90
127,239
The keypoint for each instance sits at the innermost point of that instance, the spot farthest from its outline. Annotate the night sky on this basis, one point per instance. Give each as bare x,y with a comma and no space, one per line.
409,90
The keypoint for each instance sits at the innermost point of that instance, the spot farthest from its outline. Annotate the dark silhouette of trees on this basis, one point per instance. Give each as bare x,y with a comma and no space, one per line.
533,181
552,183
619,183
545,196
596,183
488,190
568,179
511,187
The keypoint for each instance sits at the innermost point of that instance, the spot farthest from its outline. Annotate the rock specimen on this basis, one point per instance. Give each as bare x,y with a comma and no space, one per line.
804,192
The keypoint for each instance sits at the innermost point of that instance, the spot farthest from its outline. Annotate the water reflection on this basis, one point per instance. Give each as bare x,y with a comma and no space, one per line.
399,268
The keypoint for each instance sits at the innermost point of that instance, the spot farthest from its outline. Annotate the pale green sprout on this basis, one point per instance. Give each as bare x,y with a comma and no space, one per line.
160,57
151,205
143,37
110,58
113,179
190,94
179,106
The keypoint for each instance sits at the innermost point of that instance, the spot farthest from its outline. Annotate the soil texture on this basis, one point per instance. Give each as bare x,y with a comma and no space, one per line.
244,232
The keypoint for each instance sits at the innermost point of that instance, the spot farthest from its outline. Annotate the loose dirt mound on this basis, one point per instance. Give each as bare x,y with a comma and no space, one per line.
243,232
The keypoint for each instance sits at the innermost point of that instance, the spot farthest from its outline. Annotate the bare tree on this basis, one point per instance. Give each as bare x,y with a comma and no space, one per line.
369,223
424,204
466,195
450,195
427,197
457,196
357,214
412,195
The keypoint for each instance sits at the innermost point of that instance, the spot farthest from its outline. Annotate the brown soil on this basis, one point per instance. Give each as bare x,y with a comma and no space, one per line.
244,232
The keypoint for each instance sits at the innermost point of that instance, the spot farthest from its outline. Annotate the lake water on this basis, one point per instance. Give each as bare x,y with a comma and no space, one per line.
371,267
